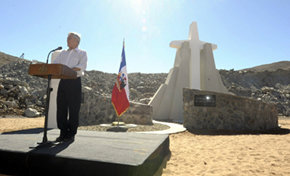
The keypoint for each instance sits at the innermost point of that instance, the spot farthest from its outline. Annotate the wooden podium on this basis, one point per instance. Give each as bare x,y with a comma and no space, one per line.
57,71
50,71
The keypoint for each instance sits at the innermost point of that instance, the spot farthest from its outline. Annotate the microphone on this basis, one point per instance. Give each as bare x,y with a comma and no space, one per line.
58,48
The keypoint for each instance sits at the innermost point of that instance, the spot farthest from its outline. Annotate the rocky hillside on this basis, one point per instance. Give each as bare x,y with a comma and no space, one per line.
21,93
6,58
283,65
267,86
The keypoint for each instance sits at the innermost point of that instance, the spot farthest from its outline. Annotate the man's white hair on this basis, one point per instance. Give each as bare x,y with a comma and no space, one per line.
75,35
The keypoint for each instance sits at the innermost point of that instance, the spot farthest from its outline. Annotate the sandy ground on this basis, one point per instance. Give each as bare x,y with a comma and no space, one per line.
216,155
20,123
230,155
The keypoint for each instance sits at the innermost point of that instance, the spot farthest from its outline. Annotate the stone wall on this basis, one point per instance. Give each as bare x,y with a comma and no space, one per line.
97,109
229,113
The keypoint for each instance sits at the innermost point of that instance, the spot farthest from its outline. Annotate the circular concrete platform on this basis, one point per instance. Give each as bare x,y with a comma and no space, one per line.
174,128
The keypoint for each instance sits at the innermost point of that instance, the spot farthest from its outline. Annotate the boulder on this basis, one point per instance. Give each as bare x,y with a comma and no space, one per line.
29,112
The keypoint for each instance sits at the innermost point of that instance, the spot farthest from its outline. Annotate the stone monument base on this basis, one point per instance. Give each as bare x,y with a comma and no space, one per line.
206,110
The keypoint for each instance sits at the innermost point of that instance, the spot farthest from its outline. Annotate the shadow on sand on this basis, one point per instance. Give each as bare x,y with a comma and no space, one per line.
117,129
26,131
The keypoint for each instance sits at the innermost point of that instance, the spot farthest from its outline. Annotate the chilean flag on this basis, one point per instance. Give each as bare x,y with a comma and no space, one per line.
120,93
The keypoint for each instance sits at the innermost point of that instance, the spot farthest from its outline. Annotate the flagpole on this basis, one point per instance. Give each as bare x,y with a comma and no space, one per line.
118,121
118,125
120,93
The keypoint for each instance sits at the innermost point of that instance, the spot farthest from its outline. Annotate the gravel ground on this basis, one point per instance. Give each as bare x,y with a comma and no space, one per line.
13,123
133,128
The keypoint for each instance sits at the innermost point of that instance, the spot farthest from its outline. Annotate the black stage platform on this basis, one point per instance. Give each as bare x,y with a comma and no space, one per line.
92,153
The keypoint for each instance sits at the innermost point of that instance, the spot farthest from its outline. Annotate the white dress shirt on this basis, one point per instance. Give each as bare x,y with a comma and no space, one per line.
73,58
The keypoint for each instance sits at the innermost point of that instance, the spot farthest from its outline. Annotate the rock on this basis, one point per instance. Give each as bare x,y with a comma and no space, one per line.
3,108
11,104
23,91
87,88
3,92
267,89
29,112
145,100
28,102
38,103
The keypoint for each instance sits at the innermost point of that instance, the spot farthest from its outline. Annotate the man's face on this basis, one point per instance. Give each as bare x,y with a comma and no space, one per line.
72,42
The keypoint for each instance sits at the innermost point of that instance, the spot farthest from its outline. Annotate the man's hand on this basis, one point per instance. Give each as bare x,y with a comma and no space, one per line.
76,69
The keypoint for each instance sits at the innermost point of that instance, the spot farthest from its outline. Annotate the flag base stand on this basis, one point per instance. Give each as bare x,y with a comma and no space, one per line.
118,126
117,123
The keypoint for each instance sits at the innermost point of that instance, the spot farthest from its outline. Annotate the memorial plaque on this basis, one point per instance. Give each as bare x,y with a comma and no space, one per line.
205,100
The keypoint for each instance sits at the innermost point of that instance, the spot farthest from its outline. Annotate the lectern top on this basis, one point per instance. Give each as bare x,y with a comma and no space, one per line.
57,71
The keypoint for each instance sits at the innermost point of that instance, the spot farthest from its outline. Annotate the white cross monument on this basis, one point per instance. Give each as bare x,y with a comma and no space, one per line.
194,68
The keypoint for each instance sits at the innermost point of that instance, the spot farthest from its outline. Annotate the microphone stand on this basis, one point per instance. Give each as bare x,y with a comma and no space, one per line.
45,142
49,54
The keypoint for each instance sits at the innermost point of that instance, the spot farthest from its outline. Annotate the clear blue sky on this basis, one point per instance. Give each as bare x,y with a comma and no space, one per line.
247,32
